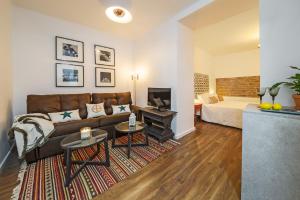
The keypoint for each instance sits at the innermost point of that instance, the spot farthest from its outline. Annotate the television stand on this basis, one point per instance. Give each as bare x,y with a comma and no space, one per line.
159,123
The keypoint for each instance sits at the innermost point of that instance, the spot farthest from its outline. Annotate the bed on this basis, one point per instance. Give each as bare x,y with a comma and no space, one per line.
228,112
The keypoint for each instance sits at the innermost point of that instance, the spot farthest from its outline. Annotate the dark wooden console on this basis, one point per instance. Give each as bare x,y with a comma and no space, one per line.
159,123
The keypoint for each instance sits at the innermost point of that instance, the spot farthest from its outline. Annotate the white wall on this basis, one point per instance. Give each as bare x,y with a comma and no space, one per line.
34,56
185,89
280,42
155,61
246,63
5,76
202,61
155,57
203,64
164,58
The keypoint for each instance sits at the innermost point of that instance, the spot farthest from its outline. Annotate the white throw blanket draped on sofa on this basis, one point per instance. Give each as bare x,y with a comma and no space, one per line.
31,131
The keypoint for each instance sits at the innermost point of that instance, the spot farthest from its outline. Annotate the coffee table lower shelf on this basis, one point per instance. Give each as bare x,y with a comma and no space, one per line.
160,134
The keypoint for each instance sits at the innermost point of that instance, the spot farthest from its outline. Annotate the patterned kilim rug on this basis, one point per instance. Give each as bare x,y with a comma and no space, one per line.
45,178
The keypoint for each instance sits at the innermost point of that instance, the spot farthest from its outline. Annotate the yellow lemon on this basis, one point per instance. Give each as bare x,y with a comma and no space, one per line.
277,106
266,106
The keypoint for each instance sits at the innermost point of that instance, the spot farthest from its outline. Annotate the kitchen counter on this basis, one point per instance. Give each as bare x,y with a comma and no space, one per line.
271,155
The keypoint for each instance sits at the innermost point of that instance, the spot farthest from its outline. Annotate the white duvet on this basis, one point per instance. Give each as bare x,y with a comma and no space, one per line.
228,113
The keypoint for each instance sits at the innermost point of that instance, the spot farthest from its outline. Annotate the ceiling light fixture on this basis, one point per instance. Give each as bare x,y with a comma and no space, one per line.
118,14
118,10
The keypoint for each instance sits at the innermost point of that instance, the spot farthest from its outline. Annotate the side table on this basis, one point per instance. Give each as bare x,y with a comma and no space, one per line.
125,128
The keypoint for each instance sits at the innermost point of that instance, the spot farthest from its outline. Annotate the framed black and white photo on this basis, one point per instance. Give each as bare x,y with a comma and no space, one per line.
104,77
104,56
68,75
69,50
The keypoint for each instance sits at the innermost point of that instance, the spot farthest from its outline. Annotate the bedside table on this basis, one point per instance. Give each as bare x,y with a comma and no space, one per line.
197,113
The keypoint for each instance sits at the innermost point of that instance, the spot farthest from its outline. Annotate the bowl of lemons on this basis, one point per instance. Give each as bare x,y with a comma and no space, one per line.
269,106
278,108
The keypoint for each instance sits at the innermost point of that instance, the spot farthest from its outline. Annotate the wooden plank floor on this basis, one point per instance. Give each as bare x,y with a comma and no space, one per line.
207,165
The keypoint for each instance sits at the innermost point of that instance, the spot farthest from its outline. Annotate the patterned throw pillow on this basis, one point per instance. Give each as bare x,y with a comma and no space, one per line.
64,116
121,109
95,110
213,100
167,102
220,98
204,98
158,102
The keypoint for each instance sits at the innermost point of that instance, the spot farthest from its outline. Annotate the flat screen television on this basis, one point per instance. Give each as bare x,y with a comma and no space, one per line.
159,98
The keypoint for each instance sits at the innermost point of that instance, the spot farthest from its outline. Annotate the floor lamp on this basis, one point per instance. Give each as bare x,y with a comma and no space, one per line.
135,78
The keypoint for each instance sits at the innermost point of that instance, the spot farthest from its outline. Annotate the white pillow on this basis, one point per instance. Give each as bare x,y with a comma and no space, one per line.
204,98
95,110
199,100
64,116
121,109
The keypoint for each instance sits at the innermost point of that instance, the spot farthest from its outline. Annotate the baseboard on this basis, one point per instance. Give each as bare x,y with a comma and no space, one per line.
180,135
7,155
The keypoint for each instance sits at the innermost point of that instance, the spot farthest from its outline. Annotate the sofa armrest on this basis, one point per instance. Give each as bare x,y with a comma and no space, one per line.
137,111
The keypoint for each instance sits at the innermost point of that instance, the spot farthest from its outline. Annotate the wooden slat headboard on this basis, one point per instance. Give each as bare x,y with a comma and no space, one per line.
238,86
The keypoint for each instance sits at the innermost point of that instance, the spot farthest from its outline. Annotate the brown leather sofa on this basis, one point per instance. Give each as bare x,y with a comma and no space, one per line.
63,102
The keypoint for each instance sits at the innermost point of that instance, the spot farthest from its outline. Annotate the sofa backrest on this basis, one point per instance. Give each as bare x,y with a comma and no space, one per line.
63,102
58,102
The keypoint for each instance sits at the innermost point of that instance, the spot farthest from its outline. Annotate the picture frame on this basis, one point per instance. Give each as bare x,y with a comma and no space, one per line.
69,75
105,77
69,50
104,55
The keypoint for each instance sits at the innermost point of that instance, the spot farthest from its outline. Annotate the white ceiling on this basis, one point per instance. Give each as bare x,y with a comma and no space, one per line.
217,11
146,13
234,34
226,26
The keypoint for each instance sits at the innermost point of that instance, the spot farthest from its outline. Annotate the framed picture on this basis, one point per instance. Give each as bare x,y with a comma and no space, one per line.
69,50
68,75
104,77
104,56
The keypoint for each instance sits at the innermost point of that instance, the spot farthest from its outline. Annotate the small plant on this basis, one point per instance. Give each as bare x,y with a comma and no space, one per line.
294,82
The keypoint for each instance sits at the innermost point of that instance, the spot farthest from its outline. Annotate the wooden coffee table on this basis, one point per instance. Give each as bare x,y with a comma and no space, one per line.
125,128
74,142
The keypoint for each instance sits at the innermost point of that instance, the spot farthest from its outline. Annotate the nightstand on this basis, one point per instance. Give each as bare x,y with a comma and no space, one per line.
197,113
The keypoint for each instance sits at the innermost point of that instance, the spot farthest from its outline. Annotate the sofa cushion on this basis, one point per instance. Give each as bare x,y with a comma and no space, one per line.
43,103
76,101
107,98
113,119
124,98
65,128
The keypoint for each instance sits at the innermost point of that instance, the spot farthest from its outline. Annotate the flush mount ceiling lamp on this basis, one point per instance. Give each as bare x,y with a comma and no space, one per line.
118,10
118,14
